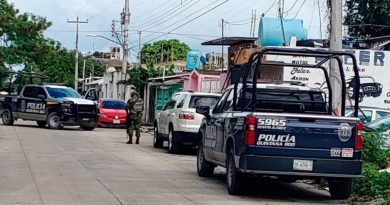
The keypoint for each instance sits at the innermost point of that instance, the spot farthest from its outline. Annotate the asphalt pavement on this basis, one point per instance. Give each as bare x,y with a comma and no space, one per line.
72,166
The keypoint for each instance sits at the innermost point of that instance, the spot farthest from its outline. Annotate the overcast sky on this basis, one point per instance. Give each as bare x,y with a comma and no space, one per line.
165,16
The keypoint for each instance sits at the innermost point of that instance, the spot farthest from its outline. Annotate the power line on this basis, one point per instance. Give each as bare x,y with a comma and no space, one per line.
191,20
187,16
168,14
162,6
288,10
299,10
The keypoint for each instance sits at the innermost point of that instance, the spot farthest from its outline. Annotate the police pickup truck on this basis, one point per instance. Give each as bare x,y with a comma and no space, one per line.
50,105
282,129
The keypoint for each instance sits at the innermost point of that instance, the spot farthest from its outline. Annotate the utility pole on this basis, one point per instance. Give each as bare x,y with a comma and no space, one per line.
222,59
125,25
139,47
336,44
83,88
250,33
76,66
254,24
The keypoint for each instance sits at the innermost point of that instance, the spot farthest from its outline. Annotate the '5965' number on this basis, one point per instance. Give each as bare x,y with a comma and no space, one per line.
272,122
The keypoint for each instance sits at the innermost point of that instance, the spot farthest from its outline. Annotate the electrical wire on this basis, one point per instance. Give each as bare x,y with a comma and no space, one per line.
186,17
288,10
213,8
161,7
163,18
299,10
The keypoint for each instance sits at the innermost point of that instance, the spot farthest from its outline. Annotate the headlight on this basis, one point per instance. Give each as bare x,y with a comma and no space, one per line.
103,115
66,104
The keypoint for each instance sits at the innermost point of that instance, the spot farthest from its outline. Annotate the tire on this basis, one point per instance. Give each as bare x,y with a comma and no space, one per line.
41,124
235,181
203,167
157,141
54,121
173,147
88,128
7,117
340,189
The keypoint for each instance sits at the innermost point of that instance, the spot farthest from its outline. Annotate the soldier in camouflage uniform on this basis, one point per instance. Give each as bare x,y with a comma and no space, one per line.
134,109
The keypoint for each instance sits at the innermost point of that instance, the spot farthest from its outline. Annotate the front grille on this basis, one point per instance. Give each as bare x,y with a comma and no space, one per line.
86,109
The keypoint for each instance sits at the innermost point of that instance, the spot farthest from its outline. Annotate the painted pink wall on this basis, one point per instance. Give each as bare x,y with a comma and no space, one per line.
194,82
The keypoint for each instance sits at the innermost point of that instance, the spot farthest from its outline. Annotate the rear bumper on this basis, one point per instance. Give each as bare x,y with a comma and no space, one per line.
110,122
187,137
268,165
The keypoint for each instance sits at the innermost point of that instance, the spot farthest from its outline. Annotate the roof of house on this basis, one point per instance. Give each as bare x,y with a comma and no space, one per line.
162,79
229,41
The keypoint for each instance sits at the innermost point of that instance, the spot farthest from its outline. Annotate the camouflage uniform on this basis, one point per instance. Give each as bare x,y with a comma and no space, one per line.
135,108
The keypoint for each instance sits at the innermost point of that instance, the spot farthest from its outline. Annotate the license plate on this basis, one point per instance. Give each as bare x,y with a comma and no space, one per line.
303,165
116,121
85,119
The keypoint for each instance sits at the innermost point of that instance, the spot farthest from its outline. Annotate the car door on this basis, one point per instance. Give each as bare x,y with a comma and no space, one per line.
165,114
26,103
40,104
214,128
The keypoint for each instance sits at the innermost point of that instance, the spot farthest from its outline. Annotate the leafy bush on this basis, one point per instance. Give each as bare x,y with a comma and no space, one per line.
374,184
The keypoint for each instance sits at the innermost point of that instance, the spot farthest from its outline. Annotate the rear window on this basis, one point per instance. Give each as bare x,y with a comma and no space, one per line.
116,105
203,101
286,101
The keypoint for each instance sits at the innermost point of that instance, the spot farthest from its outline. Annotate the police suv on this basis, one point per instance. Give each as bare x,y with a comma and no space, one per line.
50,105
283,129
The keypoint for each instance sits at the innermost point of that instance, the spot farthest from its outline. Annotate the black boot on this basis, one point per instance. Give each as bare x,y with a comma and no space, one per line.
137,140
130,140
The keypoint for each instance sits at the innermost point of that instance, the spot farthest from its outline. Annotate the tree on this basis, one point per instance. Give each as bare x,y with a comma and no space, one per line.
22,42
367,17
139,77
172,50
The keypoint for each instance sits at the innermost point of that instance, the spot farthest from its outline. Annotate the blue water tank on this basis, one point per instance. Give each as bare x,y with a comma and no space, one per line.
271,32
193,60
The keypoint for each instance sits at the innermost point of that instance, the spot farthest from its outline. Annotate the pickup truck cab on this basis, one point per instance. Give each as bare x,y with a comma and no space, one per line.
50,105
283,129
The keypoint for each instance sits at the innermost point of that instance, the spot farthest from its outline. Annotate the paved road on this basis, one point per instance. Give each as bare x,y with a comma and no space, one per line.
70,166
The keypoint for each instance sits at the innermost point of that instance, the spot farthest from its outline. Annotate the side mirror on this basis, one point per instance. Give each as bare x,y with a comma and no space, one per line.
203,110
42,97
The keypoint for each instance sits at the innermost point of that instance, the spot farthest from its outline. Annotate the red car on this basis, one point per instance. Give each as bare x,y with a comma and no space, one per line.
112,113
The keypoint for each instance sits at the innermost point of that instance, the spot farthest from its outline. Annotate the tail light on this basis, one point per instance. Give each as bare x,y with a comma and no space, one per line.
359,137
250,132
187,116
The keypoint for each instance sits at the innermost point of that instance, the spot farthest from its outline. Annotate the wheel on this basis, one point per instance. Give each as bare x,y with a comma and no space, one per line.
7,117
173,147
235,180
54,121
340,189
204,167
157,141
41,123
89,128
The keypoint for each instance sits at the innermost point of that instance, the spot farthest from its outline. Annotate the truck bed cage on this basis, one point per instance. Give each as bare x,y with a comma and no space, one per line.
29,75
256,61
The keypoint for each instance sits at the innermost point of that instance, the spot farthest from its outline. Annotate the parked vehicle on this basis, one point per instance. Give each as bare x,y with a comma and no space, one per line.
178,123
53,105
283,129
368,114
384,124
112,113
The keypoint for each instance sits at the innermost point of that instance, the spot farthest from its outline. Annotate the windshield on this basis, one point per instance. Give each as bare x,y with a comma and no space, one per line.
210,101
116,105
62,92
